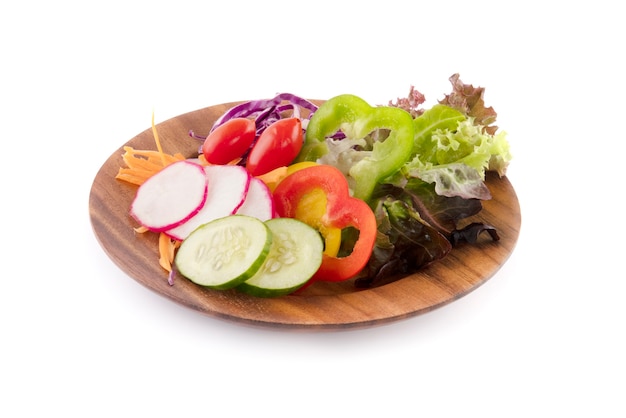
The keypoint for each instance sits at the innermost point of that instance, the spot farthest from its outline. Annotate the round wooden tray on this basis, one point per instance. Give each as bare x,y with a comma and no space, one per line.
321,306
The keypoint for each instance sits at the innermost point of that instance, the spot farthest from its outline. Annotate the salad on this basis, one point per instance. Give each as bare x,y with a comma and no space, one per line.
285,192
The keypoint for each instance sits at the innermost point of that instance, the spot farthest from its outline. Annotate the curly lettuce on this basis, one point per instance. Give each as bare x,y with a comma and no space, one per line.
469,100
456,141
452,151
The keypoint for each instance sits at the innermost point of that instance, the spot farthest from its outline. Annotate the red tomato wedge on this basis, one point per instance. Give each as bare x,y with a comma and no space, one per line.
229,141
277,146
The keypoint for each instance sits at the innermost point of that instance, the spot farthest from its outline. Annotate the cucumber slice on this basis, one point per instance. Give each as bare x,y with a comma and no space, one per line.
295,255
224,252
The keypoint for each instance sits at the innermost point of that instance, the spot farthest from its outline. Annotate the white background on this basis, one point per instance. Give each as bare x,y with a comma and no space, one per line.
543,337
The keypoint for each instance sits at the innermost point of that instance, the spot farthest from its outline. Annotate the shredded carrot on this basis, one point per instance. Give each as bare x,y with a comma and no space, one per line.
167,247
202,160
141,229
142,164
157,141
154,156
133,161
130,178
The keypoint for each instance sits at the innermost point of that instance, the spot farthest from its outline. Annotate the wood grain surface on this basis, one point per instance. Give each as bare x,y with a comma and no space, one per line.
321,306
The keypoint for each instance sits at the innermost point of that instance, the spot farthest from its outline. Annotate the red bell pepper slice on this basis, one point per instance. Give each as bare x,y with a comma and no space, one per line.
342,211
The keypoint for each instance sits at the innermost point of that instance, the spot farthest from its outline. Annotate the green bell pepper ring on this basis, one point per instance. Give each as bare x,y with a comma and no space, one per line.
356,119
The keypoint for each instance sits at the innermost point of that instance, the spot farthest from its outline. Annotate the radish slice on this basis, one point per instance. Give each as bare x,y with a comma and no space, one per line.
227,189
182,182
258,202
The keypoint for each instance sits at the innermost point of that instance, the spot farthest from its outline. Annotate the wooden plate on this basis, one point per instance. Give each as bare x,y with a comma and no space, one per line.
323,305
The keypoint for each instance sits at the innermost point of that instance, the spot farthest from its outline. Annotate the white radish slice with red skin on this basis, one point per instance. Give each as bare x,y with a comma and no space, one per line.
227,189
259,202
183,183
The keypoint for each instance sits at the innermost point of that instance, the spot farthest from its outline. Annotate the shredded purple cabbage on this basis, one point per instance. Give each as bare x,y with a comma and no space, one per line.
263,107
266,111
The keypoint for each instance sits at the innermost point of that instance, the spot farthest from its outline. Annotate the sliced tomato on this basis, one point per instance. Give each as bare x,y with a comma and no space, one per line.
277,146
229,141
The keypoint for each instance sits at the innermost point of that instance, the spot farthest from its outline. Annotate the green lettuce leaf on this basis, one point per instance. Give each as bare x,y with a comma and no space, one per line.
437,118
455,180
456,158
